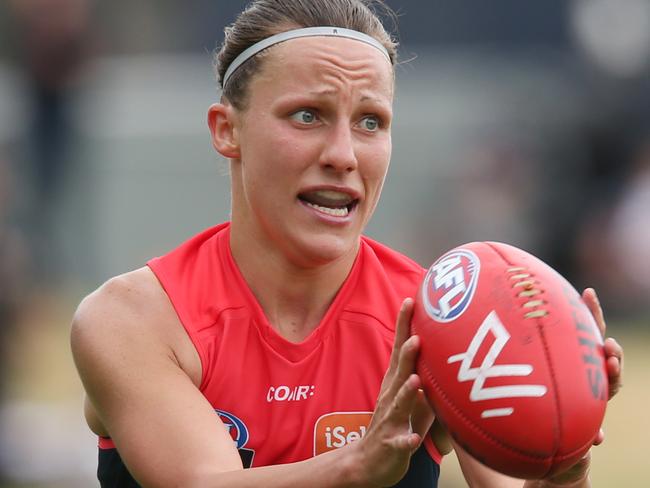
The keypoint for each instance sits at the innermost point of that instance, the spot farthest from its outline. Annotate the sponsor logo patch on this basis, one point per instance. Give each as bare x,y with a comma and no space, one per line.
337,429
449,285
239,433
284,393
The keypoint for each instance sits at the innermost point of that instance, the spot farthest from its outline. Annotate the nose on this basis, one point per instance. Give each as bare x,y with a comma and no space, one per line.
338,152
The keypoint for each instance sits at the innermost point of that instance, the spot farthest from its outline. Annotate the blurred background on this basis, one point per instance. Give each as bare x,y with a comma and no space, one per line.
522,122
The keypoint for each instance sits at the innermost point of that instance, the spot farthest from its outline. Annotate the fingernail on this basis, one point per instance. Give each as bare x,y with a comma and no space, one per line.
595,295
414,381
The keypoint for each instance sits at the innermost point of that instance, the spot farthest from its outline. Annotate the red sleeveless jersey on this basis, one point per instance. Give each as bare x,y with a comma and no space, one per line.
285,402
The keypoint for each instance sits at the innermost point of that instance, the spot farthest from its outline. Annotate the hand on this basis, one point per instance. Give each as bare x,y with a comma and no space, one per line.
402,416
422,416
613,350
577,475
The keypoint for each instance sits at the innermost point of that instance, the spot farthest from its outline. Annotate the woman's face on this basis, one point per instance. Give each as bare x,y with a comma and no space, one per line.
315,144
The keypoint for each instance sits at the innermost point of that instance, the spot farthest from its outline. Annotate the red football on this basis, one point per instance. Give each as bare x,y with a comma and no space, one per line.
511,359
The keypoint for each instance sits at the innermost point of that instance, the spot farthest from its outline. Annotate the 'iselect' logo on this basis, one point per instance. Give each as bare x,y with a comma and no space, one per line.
337,429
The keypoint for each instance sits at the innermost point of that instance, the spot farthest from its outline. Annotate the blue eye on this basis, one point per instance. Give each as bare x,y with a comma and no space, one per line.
370,123
304,116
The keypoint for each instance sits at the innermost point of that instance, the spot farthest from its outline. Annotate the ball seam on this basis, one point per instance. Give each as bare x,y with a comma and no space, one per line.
468,422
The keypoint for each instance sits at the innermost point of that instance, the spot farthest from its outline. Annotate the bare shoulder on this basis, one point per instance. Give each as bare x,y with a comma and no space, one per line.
123,308
127,314
136,293
140,372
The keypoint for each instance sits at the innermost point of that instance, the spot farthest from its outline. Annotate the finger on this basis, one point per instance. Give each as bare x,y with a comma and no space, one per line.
404,401
407,359
402,331
600,437
423,415
575,475
590,298
614,364
614,350
407,442
401,412
615,382
399,374
402,360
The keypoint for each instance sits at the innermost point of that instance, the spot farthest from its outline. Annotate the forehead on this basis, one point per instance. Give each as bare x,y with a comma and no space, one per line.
337,62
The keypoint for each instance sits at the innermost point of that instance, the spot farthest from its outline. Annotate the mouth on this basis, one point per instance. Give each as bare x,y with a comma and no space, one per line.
330,202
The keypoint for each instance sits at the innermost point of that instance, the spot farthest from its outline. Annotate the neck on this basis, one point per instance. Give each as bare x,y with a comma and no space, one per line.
294,297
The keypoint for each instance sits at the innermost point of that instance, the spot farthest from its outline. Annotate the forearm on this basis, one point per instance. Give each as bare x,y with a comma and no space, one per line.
478,475
583,483
575,477
335,469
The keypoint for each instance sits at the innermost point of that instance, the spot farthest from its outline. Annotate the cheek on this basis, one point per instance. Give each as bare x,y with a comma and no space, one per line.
272,170
376,162
279,151
259,164
293,153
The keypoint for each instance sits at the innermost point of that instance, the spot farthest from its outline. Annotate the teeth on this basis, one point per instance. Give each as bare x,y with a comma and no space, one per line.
336,212
332,194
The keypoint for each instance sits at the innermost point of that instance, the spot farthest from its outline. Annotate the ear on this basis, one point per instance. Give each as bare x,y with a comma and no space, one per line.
222,120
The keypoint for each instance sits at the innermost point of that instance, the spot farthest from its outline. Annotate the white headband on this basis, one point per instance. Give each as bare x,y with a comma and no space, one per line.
304,32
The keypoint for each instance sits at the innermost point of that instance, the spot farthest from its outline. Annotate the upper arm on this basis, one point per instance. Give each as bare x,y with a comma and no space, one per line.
163,427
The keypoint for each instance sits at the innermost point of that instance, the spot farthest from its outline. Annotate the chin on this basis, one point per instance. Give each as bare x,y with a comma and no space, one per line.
319,249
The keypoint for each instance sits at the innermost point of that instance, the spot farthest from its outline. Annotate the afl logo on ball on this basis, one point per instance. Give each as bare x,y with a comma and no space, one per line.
449,285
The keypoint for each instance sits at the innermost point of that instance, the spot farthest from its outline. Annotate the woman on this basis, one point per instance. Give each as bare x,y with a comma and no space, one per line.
280,321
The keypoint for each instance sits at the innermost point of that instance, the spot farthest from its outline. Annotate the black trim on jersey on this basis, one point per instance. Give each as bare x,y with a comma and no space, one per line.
423,471
111,471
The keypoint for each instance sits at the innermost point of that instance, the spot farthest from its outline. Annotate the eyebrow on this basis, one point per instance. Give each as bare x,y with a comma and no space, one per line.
321,93
329,92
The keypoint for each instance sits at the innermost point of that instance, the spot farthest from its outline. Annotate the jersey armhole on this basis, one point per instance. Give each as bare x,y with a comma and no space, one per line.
159,273
432,450
105,443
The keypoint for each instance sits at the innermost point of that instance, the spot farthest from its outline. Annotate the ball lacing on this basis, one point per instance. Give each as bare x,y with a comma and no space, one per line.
523,279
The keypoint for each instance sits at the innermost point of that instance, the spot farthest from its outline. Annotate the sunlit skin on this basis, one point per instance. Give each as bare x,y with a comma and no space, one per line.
314,103
324,106
315,129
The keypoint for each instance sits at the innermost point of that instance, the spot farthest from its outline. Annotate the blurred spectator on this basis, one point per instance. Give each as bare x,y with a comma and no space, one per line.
54,42
13,259
630,228
614,246
13,266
